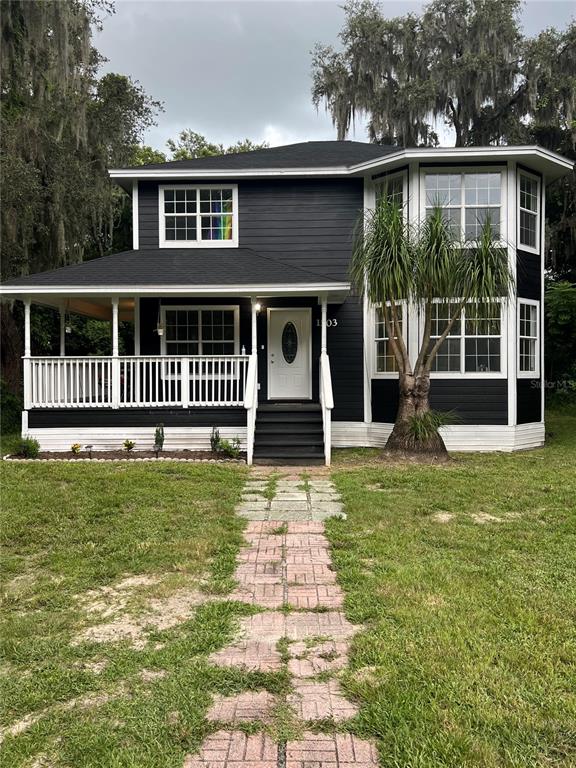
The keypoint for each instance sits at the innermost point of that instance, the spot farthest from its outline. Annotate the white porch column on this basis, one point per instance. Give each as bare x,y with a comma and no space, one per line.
137,325
254,347
27,379
62,331
324,327
115,360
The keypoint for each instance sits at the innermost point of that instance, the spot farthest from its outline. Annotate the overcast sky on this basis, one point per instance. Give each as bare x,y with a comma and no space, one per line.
232,70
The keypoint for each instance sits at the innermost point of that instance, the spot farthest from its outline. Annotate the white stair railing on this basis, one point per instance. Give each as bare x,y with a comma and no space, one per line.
251,405
327,403
134,382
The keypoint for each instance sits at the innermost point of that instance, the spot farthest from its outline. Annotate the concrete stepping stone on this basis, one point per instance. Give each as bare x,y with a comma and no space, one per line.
244,707
330,624
313,700
251,655
319,750
325,656
264,595
233,749
310,596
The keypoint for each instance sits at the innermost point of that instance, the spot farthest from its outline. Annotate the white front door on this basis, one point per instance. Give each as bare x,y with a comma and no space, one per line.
289,354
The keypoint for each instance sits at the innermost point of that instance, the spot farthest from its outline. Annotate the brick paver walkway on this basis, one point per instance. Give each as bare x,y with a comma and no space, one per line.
285,569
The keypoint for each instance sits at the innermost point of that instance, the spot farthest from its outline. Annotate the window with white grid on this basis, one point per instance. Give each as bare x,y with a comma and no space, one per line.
203,215
528,211
528,339
474,342
391,188
385,361
468,201
200,330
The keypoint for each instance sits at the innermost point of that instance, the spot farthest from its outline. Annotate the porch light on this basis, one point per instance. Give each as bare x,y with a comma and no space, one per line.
258,306
68,329
160,330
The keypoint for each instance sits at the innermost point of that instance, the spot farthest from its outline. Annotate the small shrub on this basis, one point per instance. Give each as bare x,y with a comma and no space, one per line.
230,448
424,426
215,440
28,447
129,445
159,437
76,448
10,410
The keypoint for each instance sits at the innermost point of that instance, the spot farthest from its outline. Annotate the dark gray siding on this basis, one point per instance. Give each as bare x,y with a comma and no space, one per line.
475,401
528,401
528,275
137,417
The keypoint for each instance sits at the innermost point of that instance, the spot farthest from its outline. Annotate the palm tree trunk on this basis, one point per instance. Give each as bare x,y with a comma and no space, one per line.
414,401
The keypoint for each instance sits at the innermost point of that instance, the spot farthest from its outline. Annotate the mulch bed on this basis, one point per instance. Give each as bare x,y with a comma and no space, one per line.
130,456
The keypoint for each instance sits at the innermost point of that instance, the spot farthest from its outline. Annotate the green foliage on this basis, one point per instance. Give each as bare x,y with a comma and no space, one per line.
10,410
190,145
230,448
28,447
560,324
159,436
144,155
128,445
214,439
423,426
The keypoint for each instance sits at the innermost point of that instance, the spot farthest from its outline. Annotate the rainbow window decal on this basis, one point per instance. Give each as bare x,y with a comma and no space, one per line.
198,215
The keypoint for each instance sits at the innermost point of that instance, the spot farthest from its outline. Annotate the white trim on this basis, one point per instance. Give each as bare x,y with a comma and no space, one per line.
367,335
511,302
262,290
535,374
459,437
135,216
532,177
136,325
199,243
462,171
542,301
308,310
557,164
200,307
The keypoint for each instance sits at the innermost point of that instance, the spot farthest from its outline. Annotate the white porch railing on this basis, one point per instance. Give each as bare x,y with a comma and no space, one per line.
133,382
327,403
251,405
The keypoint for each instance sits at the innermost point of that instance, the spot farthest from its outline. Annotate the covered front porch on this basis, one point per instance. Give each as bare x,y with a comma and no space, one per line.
70,398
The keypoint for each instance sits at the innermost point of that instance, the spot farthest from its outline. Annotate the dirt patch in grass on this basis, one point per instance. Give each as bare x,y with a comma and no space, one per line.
126,624
443,517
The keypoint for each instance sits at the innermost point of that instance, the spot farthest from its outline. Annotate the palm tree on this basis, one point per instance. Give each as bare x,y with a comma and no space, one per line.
396,265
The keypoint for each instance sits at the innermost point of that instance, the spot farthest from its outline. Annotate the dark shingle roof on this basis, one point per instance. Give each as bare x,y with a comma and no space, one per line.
309,154
173,267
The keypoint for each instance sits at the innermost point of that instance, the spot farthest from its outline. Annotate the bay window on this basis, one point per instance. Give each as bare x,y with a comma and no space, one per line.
198,216
528,211
474,343
468,201
385,361
528,339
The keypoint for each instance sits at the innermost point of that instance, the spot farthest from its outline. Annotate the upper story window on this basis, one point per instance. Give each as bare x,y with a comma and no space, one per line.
474,343
468,199
528,211
198,216
391,188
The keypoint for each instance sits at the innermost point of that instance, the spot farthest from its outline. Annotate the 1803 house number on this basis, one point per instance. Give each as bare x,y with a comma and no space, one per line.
330,323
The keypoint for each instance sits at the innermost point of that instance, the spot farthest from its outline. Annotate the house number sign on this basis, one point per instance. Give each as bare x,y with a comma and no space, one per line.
330,323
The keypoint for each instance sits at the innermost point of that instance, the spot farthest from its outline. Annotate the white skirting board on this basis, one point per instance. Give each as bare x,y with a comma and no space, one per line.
460,437
111,438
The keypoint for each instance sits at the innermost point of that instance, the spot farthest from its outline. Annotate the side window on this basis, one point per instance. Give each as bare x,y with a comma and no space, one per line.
528,339
528,211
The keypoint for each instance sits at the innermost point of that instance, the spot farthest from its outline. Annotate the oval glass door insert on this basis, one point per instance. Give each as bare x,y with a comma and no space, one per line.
289,342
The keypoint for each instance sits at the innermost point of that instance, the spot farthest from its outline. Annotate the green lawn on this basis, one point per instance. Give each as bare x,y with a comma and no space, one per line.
465,579
69,533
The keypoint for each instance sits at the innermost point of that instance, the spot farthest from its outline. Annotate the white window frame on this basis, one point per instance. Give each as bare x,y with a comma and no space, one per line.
163,243
462,171
463,374
199,307
391,177
532,177
375,374
535,374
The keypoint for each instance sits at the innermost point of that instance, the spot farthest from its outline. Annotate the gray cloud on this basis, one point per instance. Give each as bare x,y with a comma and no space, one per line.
241,69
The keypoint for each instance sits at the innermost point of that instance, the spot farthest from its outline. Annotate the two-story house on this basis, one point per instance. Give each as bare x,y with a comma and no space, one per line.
239,291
